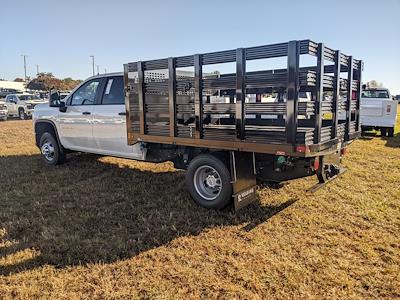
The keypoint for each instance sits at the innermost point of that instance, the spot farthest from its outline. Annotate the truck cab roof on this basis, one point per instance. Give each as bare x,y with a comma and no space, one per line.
105,75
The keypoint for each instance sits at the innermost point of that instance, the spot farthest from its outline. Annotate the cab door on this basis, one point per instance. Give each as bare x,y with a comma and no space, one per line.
76,123
109,122
11,102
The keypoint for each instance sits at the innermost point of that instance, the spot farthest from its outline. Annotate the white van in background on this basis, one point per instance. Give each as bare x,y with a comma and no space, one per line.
378,111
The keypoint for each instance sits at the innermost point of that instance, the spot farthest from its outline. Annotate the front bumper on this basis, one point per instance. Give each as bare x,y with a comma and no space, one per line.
3,114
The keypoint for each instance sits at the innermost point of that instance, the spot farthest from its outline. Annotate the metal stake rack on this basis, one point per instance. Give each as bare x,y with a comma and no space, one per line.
168,104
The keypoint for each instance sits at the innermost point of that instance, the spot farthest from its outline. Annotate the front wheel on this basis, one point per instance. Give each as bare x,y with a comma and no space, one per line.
52,152
208,181
21,113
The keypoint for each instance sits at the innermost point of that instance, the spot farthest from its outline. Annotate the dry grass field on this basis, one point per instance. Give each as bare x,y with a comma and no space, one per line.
101,227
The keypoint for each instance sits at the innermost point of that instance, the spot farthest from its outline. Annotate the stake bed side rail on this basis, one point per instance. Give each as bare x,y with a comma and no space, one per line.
174,101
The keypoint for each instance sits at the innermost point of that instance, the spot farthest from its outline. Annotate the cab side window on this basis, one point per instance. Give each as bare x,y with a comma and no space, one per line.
86,94
114,91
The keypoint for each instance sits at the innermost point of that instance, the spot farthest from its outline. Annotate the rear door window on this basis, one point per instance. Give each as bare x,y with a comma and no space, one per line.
114,91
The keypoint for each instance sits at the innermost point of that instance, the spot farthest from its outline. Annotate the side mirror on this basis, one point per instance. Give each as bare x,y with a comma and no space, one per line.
54,99
62,107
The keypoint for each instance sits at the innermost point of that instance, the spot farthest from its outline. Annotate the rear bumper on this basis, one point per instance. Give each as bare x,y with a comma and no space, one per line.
378,121
378,125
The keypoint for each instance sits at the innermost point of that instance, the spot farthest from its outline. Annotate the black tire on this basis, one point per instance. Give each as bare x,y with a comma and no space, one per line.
21,114
49,143
390,132
383,131
202,163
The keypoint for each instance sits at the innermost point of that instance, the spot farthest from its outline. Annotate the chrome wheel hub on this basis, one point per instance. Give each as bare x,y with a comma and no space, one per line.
207,182
211,181
48,150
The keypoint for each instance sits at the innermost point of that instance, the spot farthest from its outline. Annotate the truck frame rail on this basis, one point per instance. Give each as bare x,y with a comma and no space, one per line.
175,101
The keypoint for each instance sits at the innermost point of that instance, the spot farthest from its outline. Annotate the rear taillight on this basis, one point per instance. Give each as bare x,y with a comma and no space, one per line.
388,107
302,149
343,151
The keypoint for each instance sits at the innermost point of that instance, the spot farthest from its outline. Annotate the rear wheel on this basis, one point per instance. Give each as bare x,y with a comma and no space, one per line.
52,152
208,181
390,132
383,131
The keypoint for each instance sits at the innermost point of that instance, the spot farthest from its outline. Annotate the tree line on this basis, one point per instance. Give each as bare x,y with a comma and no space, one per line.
47,81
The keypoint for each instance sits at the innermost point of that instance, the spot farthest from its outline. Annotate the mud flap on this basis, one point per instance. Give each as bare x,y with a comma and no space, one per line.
243,174
319,185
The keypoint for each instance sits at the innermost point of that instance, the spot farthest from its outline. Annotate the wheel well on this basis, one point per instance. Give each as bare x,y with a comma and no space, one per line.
222,156
43,127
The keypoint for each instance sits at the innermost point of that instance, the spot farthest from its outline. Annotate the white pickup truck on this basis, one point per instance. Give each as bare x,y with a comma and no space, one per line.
378,111
154,111
22,105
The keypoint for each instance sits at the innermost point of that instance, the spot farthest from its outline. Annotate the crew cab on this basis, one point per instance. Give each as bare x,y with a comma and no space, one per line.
93,120
378,111
3,111
220,128
22,105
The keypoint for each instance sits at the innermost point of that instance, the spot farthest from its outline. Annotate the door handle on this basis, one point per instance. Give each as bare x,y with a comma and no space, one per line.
86,113
122,114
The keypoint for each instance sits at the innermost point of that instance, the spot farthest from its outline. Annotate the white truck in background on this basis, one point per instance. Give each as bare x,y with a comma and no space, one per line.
22,105
378,111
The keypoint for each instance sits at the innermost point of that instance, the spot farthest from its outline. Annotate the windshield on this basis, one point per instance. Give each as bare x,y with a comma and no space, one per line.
375,94
28,97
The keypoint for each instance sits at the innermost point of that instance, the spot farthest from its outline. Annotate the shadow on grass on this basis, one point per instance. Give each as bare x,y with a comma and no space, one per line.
393,142
89,211
369,135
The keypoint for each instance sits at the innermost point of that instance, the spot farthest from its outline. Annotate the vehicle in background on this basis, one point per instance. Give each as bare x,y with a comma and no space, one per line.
3,111
5,92
397,97
378,111
43,95
22,105
63,95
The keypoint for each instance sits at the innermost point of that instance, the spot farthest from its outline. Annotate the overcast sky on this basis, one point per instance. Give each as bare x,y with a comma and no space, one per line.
60,36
